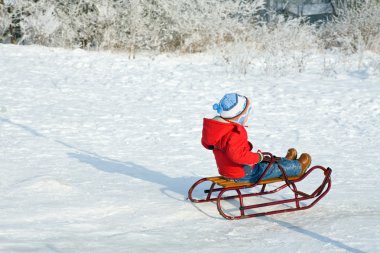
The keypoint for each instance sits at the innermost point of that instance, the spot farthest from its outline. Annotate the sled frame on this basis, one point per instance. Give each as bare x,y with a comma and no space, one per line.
220,186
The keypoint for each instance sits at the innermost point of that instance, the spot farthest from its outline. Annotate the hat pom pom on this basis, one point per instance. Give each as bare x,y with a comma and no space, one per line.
217,108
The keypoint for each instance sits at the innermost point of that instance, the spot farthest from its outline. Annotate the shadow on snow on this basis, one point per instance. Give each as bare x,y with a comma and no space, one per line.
170,184
313,235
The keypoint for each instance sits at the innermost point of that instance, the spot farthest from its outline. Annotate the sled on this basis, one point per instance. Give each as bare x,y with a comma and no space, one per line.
224,190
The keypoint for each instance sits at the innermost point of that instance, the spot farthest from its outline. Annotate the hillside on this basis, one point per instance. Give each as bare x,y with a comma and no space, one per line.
98,152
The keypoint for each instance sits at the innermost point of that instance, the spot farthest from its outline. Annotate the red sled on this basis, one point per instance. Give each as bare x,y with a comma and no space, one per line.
224,191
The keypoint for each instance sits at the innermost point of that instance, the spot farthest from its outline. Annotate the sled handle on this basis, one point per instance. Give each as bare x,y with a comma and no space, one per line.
270,159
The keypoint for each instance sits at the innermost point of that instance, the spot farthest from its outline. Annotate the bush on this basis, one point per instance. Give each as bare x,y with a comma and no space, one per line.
355,28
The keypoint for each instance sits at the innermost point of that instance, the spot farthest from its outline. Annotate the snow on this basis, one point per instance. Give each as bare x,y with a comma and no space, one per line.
98,151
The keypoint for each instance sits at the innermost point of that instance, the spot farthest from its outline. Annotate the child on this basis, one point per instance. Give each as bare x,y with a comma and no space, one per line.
226,136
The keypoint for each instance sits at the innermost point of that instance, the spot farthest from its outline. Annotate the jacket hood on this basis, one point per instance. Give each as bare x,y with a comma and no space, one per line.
214,130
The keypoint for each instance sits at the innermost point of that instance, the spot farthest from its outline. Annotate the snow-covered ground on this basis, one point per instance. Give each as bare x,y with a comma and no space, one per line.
97,153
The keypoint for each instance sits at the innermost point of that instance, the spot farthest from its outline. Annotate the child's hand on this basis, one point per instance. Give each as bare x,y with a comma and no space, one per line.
260,154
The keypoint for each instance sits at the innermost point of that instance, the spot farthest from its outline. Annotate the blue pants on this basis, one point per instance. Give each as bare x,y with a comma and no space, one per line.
252,175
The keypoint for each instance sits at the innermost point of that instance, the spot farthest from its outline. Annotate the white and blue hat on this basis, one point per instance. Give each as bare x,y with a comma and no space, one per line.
233,107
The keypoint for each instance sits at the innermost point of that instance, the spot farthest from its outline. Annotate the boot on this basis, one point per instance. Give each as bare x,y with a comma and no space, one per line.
292,154
305,161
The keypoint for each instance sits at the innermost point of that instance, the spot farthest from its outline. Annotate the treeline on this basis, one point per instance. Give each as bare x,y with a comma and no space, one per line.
181,25
125,24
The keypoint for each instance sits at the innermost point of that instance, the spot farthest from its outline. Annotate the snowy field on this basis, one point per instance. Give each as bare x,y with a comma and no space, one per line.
97,153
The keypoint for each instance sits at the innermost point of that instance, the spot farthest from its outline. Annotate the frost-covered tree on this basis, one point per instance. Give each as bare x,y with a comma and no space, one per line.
38,22
356,26
4,21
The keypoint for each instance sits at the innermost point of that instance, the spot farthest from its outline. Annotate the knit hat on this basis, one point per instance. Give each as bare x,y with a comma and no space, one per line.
233,107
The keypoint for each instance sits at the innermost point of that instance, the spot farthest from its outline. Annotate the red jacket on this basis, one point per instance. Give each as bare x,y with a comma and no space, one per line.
230,145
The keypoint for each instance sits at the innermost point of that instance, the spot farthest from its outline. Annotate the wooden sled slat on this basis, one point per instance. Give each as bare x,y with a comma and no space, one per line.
228,183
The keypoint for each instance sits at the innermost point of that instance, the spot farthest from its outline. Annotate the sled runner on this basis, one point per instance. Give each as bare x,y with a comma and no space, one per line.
224,190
